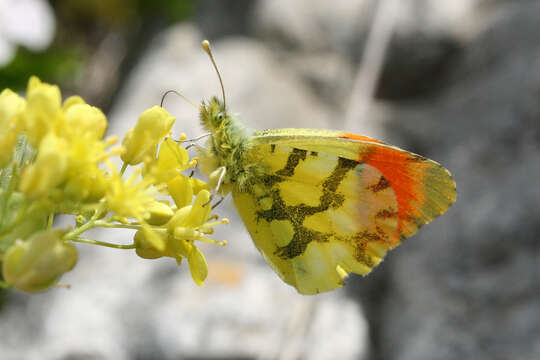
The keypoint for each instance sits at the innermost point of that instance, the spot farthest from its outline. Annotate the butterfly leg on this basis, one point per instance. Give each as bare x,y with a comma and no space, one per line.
222,171
221,198
195,139
193,170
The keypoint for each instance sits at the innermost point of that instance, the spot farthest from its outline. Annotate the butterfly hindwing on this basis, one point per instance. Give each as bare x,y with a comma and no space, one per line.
331,203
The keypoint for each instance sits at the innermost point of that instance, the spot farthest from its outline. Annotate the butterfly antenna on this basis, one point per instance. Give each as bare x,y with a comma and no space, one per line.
177,93
206,47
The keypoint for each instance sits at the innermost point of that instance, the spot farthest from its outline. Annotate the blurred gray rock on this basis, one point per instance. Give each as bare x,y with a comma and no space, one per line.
223,18
312,25
340,26
467,286
427,39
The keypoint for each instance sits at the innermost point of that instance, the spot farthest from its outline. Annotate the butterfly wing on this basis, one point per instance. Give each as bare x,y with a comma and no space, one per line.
331,203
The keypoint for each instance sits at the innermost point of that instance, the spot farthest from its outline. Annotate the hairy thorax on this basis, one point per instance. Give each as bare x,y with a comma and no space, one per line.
228,151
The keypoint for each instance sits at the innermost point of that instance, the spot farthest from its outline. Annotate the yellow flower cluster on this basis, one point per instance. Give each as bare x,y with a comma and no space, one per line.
54,160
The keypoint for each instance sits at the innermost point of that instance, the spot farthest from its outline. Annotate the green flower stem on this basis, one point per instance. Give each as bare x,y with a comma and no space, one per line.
50,221
124,167
103,243
100,210
119,226
93,223
81,229
10,173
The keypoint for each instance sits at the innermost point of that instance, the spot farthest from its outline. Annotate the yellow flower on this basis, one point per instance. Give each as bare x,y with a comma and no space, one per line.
62,172
83,120
181,190
43,113
37,263
197,263
141,141
188,224
129,198
88,186
49,169
85,180
197,215
12,107
172,159
198,185
176,249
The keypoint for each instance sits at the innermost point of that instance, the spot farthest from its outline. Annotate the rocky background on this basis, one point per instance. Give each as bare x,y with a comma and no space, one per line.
459,83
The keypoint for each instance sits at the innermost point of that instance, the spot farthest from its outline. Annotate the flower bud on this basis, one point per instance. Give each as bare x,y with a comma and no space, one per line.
145,244
85,120
160,213
37,263
49,170
11,109
141,141
144,248
43,109
72,100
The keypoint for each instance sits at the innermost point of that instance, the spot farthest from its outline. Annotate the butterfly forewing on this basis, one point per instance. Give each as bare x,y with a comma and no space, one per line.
424,189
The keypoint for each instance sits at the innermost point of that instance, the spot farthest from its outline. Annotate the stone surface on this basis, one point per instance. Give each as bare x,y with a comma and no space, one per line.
466,287
312,25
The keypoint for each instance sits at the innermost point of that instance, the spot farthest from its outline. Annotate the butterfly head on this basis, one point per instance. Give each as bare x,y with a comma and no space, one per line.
214,115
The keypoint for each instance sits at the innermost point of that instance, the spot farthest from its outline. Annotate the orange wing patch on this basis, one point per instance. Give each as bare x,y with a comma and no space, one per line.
352,136
423,188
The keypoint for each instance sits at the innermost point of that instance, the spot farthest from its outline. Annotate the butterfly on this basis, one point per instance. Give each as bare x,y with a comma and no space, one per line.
320,204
